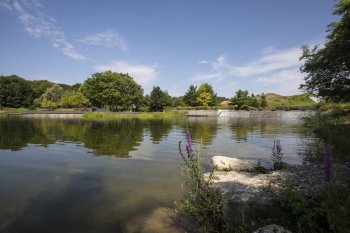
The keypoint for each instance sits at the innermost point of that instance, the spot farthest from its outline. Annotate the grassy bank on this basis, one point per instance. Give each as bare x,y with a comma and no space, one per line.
294,102
142,115
8,110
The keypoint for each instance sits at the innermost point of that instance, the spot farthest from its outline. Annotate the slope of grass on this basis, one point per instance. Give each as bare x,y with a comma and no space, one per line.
294,102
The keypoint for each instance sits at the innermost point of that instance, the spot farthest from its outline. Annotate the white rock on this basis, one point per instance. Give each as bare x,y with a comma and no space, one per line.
222,163
272,229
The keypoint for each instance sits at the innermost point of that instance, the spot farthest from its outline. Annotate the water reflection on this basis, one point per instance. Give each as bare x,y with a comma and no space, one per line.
159,129
117,138
202,129
48,181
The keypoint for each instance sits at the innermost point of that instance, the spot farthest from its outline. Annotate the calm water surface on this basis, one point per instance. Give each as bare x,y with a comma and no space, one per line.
110,176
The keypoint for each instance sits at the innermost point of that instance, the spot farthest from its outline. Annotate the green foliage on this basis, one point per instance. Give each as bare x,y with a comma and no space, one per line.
327,210
242,100
40,86
15,92
74,99
197,108
203,201
206,95
177,101
115,91
159,99
263,102
143,115
190,97
331,128
51,98
328,68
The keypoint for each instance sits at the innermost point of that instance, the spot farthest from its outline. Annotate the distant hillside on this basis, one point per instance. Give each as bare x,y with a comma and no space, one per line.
279,102
276,101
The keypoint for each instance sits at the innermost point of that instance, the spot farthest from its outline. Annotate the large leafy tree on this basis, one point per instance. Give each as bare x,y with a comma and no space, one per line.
190,97
206,95
51,98
242,99
328,67
40,86
159,99
115,91
74,99
15,92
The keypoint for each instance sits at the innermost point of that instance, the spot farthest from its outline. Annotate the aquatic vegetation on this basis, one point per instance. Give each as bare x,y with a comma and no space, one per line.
328,157
201,200
277,154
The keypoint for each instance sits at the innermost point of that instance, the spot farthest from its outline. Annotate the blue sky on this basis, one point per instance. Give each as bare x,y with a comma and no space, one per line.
231,44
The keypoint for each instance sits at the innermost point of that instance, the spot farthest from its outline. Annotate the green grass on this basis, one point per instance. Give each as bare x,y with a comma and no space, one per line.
143,115
6,110
294,102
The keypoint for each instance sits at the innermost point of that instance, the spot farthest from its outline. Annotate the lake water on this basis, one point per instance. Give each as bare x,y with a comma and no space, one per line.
111,176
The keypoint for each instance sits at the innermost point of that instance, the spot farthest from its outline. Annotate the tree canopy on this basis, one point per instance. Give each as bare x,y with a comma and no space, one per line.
159,99
206,95
15,92
115,91
241,99
190,97
328,67
51,98
74,99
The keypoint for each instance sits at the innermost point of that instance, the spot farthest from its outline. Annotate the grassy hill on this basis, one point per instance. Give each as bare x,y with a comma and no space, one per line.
302,101
279,102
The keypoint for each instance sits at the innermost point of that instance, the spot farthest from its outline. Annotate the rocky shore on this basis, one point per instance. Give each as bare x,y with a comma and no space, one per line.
243,184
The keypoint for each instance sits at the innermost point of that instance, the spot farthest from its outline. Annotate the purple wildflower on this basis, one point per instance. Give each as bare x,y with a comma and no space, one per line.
278,147
277,154
189,140
328,157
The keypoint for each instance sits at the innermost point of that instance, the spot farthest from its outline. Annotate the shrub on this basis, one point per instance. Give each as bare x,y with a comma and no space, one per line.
203,201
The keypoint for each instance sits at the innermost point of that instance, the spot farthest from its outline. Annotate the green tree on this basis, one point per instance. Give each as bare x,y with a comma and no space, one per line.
206,95
190,97
115,91
328,67
263,102
242,99
177,101
15,92
51,98
74,99
255,103
40,86
159,99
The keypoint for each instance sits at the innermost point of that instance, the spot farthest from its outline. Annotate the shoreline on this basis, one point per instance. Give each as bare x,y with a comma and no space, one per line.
253,114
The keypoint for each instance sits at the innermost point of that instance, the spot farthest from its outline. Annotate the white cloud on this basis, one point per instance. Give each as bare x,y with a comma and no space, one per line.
38,24
109,38
285,81
203,62
277,70
143,74
6,4
272,61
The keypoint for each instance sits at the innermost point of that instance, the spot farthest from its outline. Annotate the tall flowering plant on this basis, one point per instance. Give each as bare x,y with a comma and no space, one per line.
201,200
328,158
277,154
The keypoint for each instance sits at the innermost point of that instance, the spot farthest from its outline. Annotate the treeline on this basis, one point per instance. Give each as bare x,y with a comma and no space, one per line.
116,92
17,92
